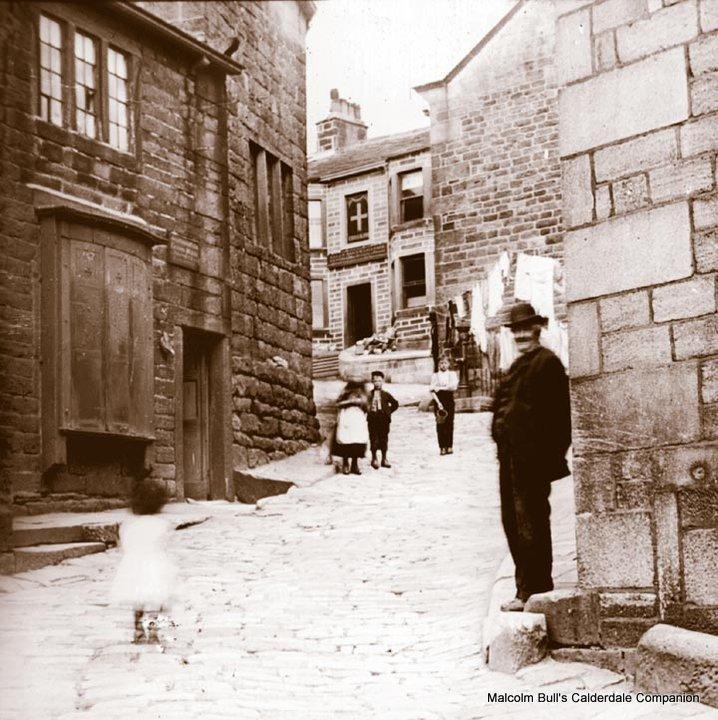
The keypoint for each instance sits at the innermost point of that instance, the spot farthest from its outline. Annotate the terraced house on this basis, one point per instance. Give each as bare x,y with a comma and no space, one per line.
154,261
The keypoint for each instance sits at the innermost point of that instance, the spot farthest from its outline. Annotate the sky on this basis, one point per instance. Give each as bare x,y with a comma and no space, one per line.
375,51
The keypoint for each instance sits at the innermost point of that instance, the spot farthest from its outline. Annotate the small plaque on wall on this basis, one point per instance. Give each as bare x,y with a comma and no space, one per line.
184,253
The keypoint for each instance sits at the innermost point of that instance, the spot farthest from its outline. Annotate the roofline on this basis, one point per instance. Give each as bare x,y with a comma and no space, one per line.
189,44
472,53
349,172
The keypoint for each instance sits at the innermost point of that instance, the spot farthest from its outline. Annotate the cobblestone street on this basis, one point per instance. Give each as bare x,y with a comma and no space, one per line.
358,597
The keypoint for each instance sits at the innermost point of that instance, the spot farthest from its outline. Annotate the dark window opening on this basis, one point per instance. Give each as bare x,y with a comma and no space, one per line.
413,270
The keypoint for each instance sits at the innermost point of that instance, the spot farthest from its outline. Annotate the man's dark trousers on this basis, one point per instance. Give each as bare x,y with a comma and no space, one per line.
526,517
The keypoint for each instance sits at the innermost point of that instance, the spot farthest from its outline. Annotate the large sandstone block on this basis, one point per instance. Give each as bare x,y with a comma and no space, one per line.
572,616
704,94
573,46
709,15
673,660
631,156
696,338
700,562
703,55
624,311
647,248
577,191
663,29
699,136
520,640
705,212
706,249
614,550
709,381
583,336
690,298
636,409
640,97
594,485
636,348
681,179
612,13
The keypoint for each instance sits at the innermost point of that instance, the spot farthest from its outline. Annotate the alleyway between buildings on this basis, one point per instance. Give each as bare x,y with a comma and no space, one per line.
357,597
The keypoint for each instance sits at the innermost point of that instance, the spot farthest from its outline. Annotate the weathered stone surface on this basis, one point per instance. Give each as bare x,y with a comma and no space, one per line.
643,96
249,488
571,616
573,46
622,604
521,640
604,51
709,15
674,468
699,136
690,298
636,409
577,192
636,348
618,660
613,13
703,55
663,29
6,533
630,194
705,212
673,660
602,201
624,311
706,249
696,338
623,632
709,381
681,179
594,485
614,550
584,334
7,563
646,248
108,533
700,561
699,507
630,156
704,94
37,556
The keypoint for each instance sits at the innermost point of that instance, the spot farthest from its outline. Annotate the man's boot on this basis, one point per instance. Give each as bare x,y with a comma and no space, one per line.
374,461
384,461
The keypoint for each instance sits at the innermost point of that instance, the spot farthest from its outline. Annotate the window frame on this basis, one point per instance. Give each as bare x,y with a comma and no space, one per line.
273,193
414,283
100,35
363,236
325,304
322,235
404,200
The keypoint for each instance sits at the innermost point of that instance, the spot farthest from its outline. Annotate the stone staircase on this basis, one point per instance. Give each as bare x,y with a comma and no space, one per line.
41,543
325,365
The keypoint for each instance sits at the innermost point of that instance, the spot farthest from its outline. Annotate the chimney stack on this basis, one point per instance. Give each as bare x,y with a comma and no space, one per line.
343,126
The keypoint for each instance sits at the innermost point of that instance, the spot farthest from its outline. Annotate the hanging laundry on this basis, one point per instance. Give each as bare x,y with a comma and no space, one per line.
534,282
478,315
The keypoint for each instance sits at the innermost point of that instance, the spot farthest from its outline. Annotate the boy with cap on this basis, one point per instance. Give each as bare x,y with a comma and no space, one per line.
381,406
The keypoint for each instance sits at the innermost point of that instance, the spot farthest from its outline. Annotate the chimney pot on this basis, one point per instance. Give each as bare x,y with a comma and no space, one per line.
334,94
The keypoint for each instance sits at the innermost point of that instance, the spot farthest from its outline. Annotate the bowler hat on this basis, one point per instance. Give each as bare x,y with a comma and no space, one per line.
523,313
377,373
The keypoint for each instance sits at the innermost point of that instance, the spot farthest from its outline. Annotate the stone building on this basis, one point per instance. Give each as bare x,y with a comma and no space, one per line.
371,233
155,270
638,138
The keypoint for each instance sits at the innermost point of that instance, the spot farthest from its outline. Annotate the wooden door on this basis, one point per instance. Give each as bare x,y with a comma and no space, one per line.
195,421
360,314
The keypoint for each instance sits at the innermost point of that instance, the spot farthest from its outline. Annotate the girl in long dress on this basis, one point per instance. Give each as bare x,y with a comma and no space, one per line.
352,431
145,577
443,386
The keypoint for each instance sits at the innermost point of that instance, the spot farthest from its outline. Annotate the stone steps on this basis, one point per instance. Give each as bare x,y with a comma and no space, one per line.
38,556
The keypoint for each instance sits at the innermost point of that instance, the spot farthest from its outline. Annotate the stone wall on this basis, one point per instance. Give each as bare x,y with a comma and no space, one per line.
188,178
496,177
638,117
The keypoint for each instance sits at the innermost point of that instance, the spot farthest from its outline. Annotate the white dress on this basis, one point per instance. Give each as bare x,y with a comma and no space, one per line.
352,427
145,577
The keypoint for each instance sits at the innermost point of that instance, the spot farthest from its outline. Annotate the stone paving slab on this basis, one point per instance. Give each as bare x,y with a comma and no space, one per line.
356,597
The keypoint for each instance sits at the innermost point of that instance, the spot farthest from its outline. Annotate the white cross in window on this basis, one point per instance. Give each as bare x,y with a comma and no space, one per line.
359,217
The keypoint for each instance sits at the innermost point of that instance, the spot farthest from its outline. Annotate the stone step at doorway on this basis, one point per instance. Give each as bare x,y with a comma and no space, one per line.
38,556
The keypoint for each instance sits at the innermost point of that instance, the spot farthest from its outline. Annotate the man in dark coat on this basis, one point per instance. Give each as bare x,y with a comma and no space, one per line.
532,430
381,406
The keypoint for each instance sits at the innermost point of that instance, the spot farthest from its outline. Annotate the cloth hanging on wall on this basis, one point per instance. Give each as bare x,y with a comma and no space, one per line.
479,296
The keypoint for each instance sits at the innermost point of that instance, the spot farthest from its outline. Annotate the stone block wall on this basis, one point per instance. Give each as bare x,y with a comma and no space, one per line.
496,175
638,118
190,179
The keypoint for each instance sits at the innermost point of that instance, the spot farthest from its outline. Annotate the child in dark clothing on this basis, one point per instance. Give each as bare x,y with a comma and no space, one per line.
381,406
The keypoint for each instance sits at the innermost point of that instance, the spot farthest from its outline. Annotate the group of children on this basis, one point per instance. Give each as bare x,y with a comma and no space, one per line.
145,579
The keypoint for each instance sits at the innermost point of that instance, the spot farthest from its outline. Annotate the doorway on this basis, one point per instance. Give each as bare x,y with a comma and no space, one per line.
196,413
360,313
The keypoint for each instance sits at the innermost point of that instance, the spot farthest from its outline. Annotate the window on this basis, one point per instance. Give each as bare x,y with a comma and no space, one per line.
316,230
357,207
50,71
85,85
117,99
319,306
413,271
99,109
273,202
412,195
